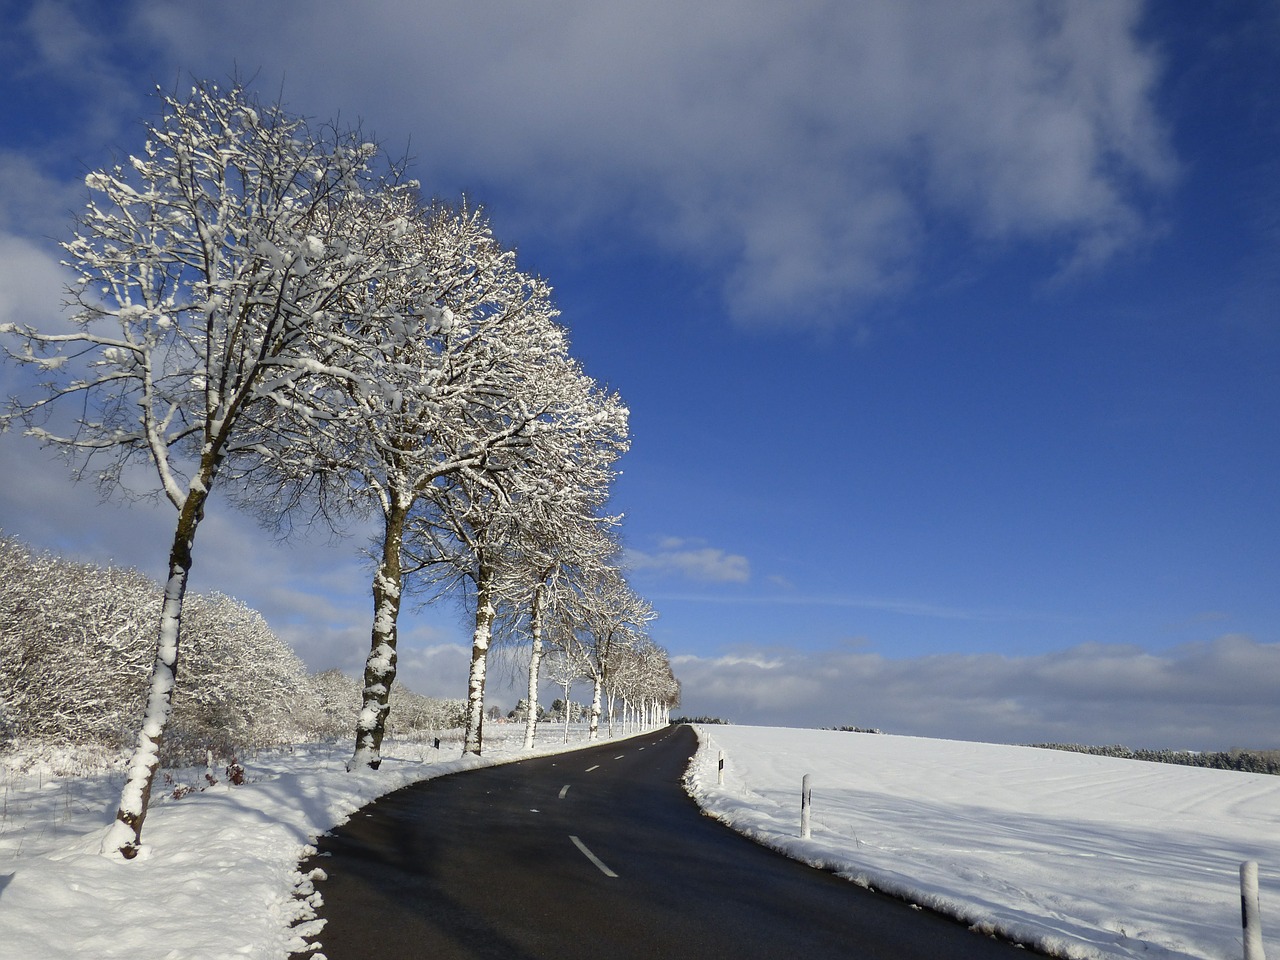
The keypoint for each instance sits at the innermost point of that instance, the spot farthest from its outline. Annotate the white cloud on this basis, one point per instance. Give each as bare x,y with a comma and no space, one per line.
31,285
1210,695
799,149
34,207
680,558
33,203
75,56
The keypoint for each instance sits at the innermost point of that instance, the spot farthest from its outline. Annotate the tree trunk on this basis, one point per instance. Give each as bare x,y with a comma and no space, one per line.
380,666
125,834
594,732
535,661
567,685
473,740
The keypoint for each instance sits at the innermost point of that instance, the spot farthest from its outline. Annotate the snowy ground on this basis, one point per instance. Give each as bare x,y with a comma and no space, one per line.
217,876
1082,856
1087,856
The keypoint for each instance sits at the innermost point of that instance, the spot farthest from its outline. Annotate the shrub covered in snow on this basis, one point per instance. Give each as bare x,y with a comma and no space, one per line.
8,729
412,716
76,646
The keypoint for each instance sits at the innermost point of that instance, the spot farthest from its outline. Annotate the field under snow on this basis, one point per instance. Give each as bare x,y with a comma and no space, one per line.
1089,856
1081,856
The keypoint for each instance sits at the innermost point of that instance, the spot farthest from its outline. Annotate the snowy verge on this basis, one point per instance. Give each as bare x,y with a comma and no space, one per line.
217,876
1077,856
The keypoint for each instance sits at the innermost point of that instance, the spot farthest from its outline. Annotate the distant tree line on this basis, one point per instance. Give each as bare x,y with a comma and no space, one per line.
679,720
1244,761
855,729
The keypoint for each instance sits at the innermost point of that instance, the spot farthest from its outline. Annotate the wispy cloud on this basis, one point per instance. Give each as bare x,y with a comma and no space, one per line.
690,560
1209,695
905,607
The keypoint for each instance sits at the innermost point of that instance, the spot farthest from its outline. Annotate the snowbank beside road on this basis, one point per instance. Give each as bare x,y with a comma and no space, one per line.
1086,857
217,873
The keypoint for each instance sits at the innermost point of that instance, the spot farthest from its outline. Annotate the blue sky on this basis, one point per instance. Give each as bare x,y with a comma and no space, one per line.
949,331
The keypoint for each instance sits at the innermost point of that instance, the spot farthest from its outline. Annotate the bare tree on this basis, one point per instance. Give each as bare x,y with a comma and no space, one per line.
565,665
567,536
206,267
492,534
641,677
428,393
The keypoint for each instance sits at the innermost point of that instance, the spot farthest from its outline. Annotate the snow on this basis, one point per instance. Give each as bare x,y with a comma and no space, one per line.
1080,856
1088,857
217,871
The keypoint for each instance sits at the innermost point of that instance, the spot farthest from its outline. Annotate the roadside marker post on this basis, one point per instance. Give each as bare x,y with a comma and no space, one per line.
806,801
1250,911
720,770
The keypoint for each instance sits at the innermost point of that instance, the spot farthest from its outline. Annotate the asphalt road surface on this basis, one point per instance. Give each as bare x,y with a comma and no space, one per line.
595,854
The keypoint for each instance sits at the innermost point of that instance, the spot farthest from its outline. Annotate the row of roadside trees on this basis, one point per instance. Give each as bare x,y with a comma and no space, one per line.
263,307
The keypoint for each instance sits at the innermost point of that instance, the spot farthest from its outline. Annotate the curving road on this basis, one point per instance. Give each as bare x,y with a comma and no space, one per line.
595,854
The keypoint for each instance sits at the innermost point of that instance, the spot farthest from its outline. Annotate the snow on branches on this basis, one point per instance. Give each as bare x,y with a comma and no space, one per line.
261,307
221,264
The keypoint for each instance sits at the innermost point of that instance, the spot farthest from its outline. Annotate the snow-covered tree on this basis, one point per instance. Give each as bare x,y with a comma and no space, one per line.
210,266
567,535
337,704
641,678
412,715
431,390
494,534
613,618
565,665
247,688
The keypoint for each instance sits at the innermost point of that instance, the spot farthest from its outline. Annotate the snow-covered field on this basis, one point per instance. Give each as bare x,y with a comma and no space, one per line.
1086,856
219,873
1081,856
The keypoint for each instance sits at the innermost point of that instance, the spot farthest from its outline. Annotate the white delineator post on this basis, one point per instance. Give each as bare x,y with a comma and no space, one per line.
1250,912
720,770
806,801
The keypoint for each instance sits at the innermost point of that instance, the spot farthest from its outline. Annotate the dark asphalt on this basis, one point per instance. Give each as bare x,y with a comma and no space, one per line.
482,864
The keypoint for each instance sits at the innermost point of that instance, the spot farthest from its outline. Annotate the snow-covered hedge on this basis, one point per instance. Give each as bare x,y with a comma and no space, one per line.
73,645
76,649
412,715
76,646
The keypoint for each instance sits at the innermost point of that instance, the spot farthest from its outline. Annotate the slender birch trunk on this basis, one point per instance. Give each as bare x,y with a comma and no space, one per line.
125,834
380,666
594,731
535,662
473,740
567,710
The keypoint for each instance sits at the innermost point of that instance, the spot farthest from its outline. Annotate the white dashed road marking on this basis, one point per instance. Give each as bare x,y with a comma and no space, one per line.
592,857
